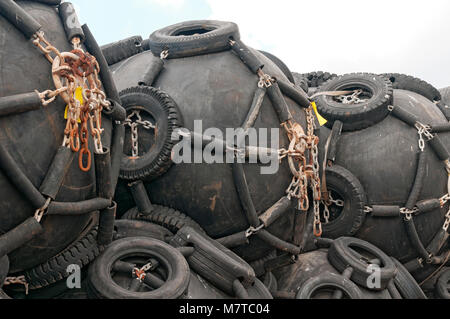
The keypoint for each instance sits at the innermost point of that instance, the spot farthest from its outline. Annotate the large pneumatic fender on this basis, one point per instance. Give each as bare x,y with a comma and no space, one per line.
384,160
205,79
313,276
32,134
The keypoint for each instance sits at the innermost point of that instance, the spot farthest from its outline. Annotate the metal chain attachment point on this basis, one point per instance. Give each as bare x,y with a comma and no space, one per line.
424,131
164,54
253,230
408,214
39,214
447,222
368,210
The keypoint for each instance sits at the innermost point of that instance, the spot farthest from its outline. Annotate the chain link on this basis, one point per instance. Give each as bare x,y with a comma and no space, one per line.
447,221
352,99
73,71
17,281
305,167
134,125
254,230
164,54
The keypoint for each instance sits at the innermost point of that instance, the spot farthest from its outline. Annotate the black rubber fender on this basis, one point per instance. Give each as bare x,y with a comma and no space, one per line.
166,217
134,228
4,269
101,282
317,79
410,83
300,81
378,92
258,291
342,182
442,285
123,49
406,284
329,281
213,261
80,253
163,109
342,256
192,38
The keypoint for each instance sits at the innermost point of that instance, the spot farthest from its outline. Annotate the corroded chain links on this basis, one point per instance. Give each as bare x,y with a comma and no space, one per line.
141,273
265,80
17,281
76,78
306,169
134,125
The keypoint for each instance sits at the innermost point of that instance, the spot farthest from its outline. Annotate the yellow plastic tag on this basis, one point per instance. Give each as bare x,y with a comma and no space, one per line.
79,98
322,121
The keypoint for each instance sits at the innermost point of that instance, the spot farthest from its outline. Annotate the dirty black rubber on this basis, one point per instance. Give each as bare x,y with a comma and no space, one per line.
4,269
123,49
213,261
316,79
135,228
329,281
280,64
258,291
259,265
81,253
301,81
349,188
357,116
410,83
164,110
3,295
166,217
442,290
270,281
193,38
406,284
103,286
342,256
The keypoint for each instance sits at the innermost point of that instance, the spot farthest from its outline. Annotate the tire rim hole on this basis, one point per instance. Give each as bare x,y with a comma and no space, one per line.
193,31
327,292
147,128
127,281
334,210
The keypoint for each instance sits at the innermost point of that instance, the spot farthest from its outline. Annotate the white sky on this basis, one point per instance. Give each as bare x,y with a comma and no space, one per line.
339,36
346,36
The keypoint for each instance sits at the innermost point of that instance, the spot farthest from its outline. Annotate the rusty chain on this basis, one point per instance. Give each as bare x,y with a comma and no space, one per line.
76,78
305,168
17,281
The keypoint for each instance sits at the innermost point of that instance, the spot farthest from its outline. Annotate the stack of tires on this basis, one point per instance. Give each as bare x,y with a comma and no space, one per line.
50,207
385,157
348,268
200,70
